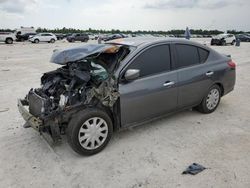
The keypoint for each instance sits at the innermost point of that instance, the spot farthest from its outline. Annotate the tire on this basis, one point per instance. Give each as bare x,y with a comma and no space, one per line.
85,128
52,40
72,40
204,106
36,41
9,41
233,42
223,43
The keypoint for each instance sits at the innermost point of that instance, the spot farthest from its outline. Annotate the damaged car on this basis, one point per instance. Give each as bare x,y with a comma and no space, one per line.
102,88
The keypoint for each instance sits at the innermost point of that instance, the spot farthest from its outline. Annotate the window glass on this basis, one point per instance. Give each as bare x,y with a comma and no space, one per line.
187,55
153,60
203,55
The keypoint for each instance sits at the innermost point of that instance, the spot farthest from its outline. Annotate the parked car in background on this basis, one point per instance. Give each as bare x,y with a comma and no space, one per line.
24,30
7,37
25,36
43,37
60,36
113,36
243,37
223,39
171,35
78,37
102,88
92,37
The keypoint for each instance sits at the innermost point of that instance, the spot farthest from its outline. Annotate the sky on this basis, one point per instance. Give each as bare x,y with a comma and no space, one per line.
126,14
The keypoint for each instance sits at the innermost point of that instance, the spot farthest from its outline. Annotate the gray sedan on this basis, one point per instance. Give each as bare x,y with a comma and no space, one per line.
102,88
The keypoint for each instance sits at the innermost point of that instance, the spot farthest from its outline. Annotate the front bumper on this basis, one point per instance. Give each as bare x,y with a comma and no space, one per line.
31,120
216,41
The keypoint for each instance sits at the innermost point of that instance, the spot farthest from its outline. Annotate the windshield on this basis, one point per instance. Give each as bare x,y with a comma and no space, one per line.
98,71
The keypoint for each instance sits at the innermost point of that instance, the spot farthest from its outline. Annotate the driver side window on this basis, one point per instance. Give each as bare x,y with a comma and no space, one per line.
152,61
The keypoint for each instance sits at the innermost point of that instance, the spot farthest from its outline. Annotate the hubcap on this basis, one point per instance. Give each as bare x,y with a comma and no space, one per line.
93,133
212,99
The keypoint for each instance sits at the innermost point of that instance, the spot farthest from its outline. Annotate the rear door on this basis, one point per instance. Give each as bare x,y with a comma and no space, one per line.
195,75
154,93
43,37
48,37
77,37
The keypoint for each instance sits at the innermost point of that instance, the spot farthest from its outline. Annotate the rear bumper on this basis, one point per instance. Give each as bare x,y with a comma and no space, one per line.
35,122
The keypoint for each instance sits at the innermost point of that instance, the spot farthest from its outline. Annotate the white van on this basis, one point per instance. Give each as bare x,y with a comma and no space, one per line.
24,30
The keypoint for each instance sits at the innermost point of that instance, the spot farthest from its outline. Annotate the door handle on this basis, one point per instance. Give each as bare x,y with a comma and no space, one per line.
209,73
168,83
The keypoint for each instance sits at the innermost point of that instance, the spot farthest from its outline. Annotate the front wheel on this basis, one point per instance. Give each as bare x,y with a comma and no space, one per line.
9,41
36,41
211,101
223,43
52,40
89,131
233,42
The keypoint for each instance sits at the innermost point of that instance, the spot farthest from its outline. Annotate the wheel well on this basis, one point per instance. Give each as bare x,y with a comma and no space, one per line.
221,87
9,38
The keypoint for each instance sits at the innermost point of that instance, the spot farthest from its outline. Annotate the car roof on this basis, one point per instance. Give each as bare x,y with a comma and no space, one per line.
142,41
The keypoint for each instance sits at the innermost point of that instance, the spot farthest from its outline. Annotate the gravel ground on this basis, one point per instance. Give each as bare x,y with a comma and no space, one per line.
152,155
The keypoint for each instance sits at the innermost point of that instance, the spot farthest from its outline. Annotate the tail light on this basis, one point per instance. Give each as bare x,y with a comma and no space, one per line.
232,64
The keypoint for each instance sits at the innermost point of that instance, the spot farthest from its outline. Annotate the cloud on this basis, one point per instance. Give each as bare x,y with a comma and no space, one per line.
182,4
17,6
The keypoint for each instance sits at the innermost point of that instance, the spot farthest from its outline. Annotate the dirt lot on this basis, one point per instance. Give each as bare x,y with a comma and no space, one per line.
153,155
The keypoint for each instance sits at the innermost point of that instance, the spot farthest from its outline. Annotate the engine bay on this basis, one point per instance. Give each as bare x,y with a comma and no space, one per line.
87,81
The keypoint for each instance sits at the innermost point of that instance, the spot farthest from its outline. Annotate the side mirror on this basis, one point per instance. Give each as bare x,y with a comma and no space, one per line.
132,74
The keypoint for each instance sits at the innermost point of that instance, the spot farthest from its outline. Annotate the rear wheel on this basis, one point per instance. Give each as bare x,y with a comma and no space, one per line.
211,101
89,131
9,41
52,40
36,41
223,43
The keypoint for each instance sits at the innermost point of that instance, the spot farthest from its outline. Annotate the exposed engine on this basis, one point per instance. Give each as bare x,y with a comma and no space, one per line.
78,82
68,85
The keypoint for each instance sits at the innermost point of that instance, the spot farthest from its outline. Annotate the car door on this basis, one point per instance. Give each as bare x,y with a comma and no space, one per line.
48,37
195,75
77,37
152,94
229,39
42,37
2,37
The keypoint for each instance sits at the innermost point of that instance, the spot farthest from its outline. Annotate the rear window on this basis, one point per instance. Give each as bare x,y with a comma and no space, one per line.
203,55
187,55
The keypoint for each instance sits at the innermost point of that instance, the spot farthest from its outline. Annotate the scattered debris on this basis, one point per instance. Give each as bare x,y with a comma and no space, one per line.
194,169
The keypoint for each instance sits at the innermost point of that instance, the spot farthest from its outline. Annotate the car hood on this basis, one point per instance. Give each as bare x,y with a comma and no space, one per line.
62,57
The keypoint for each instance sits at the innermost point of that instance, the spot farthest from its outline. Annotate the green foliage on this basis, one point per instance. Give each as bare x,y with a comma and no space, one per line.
65,30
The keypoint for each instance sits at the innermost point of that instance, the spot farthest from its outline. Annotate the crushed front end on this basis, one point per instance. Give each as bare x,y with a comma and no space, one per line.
85,80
